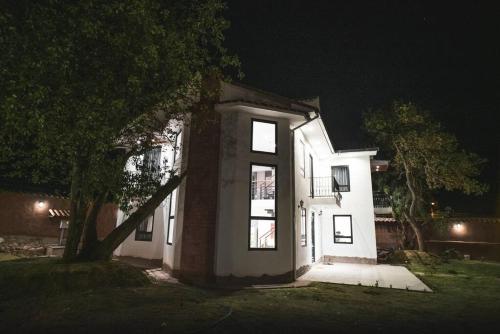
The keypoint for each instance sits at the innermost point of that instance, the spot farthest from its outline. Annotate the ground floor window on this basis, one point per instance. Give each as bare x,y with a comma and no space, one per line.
170,216
144,232
263,195
303,227
342,229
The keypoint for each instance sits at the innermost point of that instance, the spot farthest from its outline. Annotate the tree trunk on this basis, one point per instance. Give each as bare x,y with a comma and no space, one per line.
410,216
104,249
90,240
77,216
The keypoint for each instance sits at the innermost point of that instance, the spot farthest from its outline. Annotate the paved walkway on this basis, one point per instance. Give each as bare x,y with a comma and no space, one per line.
381,275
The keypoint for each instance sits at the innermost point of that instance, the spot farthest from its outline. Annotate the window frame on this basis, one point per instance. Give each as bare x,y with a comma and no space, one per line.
250,217
311,175
137,232
346,237
275,123
171,217
303,214
340,185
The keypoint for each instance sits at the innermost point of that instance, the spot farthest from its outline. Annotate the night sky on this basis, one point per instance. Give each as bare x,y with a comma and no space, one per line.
360,55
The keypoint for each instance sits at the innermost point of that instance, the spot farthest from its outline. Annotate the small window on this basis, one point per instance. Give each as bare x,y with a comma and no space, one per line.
303,227
342,229
302,158
144,232
264,135
262,229
340,179
152,161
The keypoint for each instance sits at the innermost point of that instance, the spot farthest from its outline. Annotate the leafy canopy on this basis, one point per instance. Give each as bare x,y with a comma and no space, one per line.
93,83
418,144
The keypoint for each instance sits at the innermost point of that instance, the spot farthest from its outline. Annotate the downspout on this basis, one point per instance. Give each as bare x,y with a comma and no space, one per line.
294,232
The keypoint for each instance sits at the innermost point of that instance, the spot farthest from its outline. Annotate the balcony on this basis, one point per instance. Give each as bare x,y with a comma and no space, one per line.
325,187
381,203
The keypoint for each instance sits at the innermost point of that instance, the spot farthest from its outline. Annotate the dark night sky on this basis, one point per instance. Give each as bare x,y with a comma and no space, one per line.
357,55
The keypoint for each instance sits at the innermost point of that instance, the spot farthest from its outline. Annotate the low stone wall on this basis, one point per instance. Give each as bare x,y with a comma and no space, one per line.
347,259
25,246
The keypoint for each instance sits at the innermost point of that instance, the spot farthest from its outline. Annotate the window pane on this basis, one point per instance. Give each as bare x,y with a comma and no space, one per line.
264,137
263,191
170,235
303,228
343,226
342,229
341,175
262,233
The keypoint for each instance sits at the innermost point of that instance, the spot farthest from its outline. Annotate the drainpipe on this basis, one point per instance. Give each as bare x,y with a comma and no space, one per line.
294,233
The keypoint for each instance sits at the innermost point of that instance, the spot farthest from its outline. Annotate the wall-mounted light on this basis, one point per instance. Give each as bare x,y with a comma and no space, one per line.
433,203
301,204
40,204
458,227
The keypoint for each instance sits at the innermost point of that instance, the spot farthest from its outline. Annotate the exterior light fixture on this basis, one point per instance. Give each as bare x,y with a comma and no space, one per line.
301,204
40,204
433,203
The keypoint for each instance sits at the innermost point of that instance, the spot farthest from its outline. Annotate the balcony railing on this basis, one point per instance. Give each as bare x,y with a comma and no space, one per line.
325,187
381,200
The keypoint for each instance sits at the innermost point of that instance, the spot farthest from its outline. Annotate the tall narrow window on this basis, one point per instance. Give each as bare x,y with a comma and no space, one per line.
144,232
264,136
172,198
172,202
340,174
263,194
342,229
303,227
302,158
152,161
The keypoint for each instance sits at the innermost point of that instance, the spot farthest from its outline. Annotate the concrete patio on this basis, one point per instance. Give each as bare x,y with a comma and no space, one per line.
382,275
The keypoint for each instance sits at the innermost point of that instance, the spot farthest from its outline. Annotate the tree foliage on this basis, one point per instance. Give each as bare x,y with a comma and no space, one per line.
424,156
86,86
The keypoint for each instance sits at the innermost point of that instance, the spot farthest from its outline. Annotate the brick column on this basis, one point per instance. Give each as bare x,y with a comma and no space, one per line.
200,204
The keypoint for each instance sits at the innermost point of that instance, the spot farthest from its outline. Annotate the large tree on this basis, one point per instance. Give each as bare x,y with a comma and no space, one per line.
425,156
89,86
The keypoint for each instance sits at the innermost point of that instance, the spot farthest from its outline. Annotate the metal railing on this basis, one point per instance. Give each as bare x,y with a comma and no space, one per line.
381,200
325,186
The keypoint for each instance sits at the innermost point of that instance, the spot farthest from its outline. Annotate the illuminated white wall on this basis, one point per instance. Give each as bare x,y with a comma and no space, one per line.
232,254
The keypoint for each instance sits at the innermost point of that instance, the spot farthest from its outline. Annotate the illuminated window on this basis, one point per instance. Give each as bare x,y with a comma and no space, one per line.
264,135
303,227
342,229
340,174
263,193
144,232
170,216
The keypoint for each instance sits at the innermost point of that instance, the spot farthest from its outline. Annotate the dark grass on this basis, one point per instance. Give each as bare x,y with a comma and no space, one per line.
466,300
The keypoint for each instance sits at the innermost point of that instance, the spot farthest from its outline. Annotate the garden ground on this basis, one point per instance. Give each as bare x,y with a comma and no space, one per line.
44,295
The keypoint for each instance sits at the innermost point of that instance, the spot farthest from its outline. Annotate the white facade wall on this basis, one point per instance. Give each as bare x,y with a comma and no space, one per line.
358,202
233,256
302,193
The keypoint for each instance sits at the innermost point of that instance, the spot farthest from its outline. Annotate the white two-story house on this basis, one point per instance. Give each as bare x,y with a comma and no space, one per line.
265,197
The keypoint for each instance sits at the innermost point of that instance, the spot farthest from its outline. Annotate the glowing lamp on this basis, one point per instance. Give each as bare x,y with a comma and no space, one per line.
40,204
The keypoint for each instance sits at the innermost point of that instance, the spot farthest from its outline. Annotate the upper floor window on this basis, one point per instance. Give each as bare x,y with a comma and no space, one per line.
144,232
340,178
264,136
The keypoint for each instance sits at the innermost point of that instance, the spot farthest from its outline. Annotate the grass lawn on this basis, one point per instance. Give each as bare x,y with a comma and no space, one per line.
47,296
